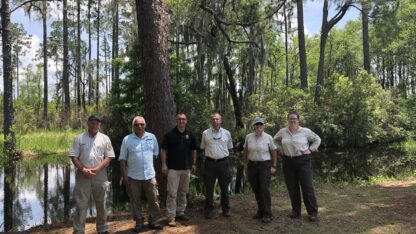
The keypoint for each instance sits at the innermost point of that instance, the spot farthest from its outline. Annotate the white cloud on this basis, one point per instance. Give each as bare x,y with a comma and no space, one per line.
31,53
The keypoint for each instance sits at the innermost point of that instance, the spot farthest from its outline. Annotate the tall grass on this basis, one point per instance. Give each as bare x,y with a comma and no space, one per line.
46,142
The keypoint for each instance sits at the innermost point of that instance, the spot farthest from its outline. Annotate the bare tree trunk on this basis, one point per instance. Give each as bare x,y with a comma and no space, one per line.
97,84
251,78
366,43
233,92
302,48
45,66
115,77
106,65
78,56
65,72
9,136
17,75
89,64
159,104
286,45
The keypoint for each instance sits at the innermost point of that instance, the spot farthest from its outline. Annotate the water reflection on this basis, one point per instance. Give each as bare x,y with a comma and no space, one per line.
33,206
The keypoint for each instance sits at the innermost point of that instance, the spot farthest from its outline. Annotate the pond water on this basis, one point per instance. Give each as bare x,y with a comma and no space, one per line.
31,199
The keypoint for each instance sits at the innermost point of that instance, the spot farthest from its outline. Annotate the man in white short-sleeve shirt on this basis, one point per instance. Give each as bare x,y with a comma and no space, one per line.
91,152
217,144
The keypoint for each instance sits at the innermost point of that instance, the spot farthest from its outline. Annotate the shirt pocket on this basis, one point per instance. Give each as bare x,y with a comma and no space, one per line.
81,147
149,145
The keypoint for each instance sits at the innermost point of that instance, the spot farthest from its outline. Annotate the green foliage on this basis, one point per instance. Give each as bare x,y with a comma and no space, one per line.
275,107
357,111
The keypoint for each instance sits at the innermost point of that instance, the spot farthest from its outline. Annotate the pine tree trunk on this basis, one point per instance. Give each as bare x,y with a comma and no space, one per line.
65,72
9,136
45,66
159,104
97,84
302,48
366,44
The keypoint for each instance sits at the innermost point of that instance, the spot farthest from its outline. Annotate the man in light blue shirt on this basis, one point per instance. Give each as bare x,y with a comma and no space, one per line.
138,150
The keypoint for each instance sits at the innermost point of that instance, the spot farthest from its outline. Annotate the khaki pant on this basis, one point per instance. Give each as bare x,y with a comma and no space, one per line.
177,186
96,186
150,189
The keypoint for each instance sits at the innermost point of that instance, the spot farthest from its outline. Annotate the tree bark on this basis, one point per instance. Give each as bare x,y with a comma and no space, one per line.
115,77
159,104
97,84
9,137
302,48
78,56
233,92
366,43
286,45
65,72
45,65
89,65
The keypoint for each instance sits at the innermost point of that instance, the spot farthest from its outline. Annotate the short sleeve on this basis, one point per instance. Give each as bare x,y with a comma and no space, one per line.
156,146
245,142
74,151
230,141
272,145
123,150
202,146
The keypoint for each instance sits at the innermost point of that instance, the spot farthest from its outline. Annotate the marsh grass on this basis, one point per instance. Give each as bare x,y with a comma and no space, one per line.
43,142
46,142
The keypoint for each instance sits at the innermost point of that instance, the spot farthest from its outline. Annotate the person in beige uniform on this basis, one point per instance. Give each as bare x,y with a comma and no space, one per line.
91,152
260,161
296,144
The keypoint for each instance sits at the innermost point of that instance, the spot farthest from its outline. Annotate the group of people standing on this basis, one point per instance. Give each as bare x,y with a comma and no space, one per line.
92,151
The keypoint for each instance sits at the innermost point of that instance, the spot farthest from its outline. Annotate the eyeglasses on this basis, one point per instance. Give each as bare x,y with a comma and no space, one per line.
139,124
258,124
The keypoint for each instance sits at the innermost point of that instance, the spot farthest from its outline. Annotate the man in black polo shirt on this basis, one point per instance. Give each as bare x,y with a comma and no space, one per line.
178,154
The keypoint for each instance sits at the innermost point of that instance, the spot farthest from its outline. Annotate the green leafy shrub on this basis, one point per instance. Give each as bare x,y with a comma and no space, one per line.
357,111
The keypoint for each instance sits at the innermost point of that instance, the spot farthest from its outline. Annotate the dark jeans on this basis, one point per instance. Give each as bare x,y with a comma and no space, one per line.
213,170
259,177
298,174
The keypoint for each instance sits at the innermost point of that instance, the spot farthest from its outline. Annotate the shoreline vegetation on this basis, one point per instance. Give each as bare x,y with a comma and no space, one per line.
43,143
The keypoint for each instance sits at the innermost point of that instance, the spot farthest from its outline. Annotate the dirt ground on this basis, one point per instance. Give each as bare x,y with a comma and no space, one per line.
388,207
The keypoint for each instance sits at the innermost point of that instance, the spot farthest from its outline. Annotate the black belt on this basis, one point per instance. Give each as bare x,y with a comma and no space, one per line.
258,162
294,157
217,160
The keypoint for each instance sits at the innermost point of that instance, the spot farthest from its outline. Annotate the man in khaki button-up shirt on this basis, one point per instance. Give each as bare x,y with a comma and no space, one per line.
91,152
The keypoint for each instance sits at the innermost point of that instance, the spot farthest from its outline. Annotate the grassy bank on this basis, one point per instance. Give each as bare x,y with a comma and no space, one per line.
43,142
